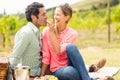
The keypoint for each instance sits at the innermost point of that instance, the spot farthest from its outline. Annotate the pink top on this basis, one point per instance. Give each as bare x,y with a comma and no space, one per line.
49,56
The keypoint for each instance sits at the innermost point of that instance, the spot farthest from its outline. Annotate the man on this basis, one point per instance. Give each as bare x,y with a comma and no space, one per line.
28,41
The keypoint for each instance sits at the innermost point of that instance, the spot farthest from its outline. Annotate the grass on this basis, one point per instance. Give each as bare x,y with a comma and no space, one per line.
93,46
86,4
93,54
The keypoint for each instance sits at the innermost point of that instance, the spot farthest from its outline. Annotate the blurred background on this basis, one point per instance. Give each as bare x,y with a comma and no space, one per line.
96,21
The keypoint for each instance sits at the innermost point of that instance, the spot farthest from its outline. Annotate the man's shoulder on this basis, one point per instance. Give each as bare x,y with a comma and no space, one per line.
25,29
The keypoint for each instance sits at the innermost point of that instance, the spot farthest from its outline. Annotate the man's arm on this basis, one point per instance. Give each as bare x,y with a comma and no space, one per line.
21,42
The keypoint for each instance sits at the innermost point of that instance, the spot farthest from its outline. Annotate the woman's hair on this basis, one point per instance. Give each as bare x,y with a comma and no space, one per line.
66,9
33,9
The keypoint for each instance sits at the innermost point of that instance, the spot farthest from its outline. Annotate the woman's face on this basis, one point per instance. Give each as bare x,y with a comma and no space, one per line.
59,17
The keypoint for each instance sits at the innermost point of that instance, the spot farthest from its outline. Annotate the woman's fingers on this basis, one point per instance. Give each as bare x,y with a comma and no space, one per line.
50,25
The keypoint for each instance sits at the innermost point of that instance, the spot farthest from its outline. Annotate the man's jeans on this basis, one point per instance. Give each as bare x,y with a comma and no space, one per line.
76,69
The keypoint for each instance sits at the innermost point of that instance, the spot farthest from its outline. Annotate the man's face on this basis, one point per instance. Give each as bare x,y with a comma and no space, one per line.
42,17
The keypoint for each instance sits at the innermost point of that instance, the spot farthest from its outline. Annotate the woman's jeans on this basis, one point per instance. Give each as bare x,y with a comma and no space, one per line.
76,69
67,73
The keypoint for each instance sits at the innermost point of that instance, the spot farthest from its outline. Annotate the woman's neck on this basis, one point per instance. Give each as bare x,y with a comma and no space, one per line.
62,28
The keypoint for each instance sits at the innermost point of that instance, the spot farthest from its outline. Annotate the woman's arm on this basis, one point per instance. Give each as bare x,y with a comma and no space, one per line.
44,69
53,38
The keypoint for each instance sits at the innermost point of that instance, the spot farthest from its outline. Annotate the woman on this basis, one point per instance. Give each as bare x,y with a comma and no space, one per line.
58,50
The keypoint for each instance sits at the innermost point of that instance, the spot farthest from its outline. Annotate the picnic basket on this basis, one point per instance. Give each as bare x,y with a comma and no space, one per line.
3,67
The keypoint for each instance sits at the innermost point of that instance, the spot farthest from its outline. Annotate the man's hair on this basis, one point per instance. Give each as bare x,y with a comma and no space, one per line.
33,9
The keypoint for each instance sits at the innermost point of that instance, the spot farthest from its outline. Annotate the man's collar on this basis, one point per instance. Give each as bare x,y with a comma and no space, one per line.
35,29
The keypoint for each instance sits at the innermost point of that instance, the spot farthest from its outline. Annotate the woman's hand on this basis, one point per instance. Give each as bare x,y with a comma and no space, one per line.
51,26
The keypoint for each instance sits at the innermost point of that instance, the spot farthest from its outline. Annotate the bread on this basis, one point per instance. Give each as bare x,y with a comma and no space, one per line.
46,77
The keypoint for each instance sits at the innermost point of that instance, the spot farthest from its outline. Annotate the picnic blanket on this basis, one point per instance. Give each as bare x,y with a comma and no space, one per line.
105,71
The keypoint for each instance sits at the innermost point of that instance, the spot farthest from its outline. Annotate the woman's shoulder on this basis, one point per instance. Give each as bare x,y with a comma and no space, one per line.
72,30
46,28
45,31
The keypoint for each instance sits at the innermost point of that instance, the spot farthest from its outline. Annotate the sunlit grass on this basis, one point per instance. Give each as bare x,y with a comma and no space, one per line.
94,46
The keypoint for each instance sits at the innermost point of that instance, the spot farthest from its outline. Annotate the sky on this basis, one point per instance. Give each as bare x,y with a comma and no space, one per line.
15,6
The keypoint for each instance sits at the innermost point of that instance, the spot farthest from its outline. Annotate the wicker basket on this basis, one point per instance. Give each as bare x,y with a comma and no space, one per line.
3,67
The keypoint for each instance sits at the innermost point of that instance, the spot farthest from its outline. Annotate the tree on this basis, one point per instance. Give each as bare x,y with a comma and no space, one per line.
114,2
10,25
4,30
109,34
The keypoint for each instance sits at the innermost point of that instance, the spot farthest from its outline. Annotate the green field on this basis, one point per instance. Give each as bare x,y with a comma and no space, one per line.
94,46
93,34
